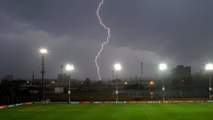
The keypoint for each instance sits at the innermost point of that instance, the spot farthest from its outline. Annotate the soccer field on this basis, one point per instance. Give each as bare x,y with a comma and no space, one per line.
184,111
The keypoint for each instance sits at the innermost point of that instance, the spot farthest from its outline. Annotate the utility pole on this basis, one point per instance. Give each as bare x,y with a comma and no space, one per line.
43,51
42,76
60,80
141,76
141,70
33,78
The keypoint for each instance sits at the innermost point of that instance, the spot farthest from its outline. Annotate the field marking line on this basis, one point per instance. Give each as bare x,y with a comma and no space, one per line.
145,113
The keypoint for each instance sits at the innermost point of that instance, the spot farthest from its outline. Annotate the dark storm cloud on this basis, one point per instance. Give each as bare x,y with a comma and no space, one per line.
68,16
177,31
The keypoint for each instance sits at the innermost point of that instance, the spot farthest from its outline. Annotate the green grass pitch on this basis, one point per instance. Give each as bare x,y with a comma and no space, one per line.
181,111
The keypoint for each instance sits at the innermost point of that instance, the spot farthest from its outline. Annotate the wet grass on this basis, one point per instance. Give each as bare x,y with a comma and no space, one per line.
192,111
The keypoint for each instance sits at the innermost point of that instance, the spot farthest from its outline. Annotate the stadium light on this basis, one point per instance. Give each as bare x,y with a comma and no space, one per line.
117,67
209,68
69,68
163,67
43,51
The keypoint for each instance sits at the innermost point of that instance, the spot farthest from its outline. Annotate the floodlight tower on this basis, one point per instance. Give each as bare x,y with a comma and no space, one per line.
117,68
163,68
43,51
69,68
209,68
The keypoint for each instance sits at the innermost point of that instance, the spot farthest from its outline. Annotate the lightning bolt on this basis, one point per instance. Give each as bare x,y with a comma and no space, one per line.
104,43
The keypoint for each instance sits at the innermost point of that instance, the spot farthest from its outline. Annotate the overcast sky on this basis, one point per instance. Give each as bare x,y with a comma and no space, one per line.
149,31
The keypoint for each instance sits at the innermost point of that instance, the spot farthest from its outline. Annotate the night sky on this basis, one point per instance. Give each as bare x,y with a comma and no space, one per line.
149,31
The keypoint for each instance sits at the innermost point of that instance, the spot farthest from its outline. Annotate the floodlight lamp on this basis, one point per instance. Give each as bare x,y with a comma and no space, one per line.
209,67
162,66
43,51
117,67
69,67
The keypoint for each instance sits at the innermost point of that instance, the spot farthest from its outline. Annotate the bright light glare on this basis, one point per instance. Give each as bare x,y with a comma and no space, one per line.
209,66
162,66
125,83
43,51
117,67
69,67
151,83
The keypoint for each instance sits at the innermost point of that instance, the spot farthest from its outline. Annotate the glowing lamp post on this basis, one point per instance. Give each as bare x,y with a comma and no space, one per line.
163,67
117,67
209,68
151,83
69,68
43,51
